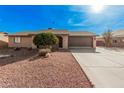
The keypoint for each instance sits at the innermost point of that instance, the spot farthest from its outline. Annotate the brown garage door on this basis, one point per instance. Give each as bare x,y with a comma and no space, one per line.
100,43
80,41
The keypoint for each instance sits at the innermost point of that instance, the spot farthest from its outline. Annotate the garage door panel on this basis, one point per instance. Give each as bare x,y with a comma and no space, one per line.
79,41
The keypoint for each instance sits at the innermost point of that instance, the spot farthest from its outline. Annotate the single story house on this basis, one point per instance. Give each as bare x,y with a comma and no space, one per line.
100,41
3,39
117,39
66,39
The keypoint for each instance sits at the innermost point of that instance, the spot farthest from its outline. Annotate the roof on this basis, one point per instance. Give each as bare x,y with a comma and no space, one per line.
54,31
118,33
76,33
3,33
21,33
28,33
81,33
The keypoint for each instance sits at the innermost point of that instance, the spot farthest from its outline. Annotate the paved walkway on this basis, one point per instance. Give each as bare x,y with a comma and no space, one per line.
105,67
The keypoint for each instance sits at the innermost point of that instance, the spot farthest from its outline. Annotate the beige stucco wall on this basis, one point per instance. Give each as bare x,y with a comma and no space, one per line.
65,41
120,42
28,41
25,42
3,39
94,42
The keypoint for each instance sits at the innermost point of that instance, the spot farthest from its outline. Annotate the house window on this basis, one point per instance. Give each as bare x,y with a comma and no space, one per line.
114,41
17,40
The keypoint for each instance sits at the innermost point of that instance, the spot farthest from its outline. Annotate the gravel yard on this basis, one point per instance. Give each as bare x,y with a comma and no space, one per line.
59,70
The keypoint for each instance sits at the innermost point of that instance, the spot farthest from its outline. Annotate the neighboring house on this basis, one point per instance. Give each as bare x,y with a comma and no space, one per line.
3,39
100,41
66,39
117,39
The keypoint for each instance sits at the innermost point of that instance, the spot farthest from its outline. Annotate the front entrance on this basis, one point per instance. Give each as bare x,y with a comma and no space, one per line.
60,41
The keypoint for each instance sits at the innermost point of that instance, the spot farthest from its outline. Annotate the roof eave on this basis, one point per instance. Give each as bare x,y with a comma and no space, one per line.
82,35
18,35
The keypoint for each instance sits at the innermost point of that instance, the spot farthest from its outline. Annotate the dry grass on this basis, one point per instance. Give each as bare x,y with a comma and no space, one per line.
59,70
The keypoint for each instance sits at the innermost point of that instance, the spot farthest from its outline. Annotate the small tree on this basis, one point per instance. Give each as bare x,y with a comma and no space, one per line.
108,38
45,40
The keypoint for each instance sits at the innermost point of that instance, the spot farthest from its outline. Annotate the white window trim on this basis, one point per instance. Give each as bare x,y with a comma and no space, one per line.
17,40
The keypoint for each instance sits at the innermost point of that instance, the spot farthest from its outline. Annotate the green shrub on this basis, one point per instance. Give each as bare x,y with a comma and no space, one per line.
45,40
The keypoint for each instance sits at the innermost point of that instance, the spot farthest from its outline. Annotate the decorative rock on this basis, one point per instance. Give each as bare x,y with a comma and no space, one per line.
47,55
5,56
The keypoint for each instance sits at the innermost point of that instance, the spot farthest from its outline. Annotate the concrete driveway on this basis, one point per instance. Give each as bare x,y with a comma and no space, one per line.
104,68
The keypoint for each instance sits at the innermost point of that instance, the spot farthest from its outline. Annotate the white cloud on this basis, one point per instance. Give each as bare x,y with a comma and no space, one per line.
112,17
82,23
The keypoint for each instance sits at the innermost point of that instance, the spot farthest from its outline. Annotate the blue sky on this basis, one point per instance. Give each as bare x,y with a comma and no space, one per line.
73,18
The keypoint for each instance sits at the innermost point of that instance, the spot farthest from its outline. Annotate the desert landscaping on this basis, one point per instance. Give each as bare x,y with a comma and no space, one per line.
23,69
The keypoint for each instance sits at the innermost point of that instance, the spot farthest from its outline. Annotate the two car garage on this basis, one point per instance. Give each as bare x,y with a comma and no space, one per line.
80,41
